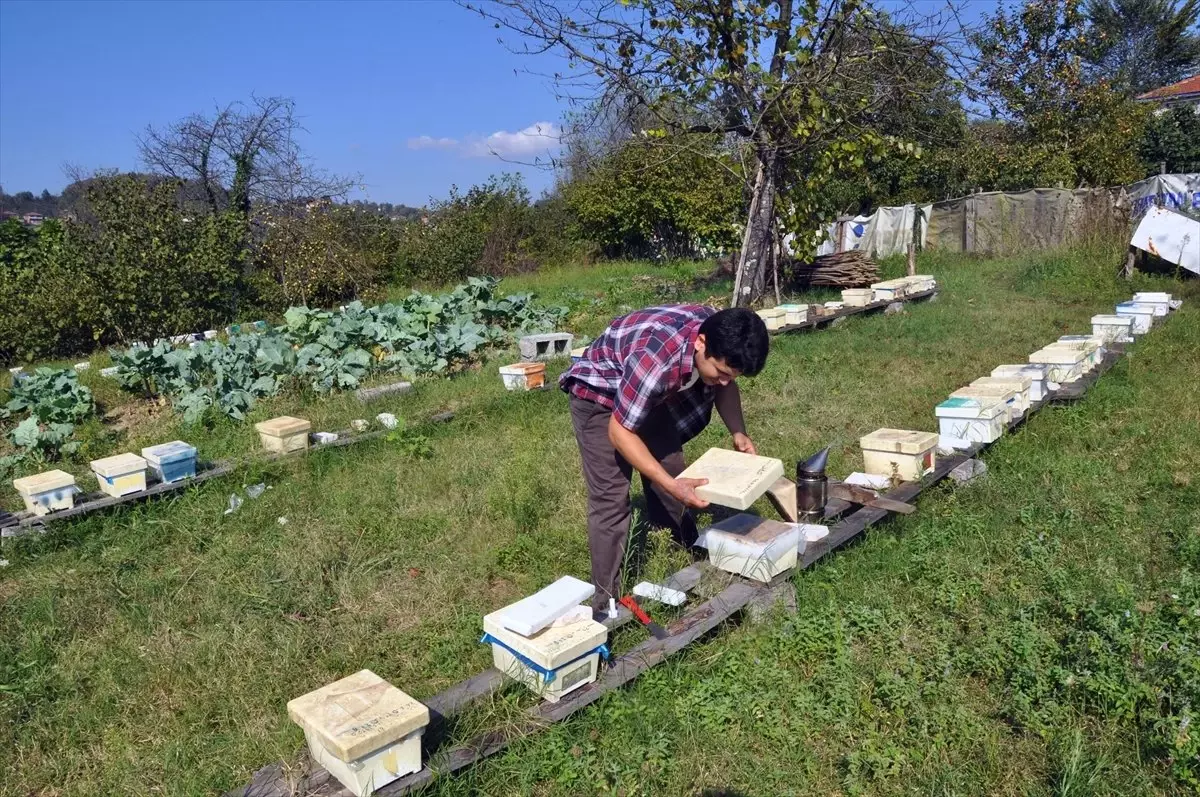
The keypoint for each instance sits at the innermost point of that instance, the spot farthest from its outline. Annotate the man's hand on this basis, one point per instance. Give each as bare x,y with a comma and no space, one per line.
744,444
684,491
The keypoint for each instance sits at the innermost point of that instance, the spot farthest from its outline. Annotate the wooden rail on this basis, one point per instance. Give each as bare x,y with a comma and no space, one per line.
812,322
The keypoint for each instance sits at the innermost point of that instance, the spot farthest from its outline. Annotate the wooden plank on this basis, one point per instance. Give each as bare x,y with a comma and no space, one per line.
813,322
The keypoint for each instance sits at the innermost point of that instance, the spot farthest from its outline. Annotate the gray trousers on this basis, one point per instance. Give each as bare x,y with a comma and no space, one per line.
608,477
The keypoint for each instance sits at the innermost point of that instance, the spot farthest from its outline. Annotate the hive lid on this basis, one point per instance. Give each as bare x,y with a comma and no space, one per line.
1136,308
44,482
1157,297
1074,340
771,312
1058,355
522,369
856,291
283,426
982,407
792,308
748,528
1016,382
1032,370
358,714
530,615
987,391
899,441
735,480
1113,320
551,647
118,465
168,452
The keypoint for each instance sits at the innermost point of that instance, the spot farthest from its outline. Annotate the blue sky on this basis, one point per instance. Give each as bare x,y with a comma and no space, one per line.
414,95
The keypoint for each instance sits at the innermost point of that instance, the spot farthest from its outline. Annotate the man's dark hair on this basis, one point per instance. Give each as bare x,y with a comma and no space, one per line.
739,337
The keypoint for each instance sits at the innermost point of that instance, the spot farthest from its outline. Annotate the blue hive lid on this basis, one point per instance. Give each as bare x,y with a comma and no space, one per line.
169,452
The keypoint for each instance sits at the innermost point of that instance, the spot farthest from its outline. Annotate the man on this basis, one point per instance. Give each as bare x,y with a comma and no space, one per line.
643,389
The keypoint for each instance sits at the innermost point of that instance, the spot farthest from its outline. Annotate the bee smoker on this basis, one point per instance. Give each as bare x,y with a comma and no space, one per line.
812,488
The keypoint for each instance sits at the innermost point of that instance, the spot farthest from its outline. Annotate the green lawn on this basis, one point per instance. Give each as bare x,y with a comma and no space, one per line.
1035,633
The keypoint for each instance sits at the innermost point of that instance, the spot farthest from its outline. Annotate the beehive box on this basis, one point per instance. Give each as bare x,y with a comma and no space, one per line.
1160,301
1006,397
899,453
774,317
735,480
120,475
1142,315
284,434
919,283
857,297
577,353
1035,372
523,376
1018,383
1113,328
753,547
976,420
1066,364
794,313
553,662
889,290
1085,343
46,492
364,731
171,462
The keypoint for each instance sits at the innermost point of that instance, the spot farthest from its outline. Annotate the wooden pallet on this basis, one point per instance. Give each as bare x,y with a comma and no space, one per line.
814,322
277,780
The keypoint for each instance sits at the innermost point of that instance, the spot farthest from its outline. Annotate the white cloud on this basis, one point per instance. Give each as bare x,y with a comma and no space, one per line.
533,140
429,142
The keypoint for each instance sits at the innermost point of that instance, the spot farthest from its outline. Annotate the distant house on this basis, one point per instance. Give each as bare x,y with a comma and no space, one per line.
1185,92
33,219
5,215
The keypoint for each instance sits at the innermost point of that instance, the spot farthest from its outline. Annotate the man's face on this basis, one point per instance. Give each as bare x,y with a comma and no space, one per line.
712,371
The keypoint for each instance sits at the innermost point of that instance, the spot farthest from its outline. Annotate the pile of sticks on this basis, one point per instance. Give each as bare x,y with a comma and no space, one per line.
852,269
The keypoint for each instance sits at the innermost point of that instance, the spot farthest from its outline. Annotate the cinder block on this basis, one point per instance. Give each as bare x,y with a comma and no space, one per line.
546,345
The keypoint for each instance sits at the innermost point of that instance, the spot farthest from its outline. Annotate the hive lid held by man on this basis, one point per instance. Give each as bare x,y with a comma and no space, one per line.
283,426
44,482
735,480
358,714
900,441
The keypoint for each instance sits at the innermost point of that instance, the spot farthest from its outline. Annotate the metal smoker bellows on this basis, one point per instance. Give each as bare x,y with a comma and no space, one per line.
812,488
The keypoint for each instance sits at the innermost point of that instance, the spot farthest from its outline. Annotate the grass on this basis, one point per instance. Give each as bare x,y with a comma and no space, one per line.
981,645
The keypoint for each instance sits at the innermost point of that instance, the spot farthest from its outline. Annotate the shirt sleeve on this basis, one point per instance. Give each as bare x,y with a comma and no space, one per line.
645,380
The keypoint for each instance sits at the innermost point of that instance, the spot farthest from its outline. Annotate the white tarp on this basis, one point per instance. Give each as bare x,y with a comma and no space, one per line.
1172,236
1178,190
889,231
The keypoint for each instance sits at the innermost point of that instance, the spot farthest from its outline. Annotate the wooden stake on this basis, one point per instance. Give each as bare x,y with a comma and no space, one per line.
912,260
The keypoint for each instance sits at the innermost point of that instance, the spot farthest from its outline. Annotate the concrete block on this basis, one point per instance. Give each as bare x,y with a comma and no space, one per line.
546,345
968,471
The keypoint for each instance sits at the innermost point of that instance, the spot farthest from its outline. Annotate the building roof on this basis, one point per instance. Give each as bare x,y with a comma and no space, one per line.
1183,88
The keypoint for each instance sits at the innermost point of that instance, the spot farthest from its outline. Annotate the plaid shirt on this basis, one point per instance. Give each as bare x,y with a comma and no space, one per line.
642,361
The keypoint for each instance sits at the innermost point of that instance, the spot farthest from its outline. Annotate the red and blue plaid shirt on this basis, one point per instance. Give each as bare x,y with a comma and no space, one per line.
643,361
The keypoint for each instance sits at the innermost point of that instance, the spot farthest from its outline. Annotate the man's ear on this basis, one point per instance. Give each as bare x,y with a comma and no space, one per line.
701,344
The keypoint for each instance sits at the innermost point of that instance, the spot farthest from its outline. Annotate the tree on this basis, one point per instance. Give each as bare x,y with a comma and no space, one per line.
1061,125
793,84
243,154
1140,45
1173,138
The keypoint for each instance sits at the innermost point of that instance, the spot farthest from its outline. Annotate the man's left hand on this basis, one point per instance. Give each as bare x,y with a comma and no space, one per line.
743,443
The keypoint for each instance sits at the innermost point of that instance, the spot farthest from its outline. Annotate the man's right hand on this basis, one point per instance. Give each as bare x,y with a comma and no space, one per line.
684,491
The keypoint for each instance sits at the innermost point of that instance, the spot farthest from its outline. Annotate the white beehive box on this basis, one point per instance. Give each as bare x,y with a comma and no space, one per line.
553,662
889,290
1142,315
857,297
899,453
752,546
1113,328
794,313
1006,397
976,420
121,474
47,492
364,731
1094,347
735,480
919,283
1020,384
1036,373
1161,302
1066,364
284,434
171,462
523,376
774,317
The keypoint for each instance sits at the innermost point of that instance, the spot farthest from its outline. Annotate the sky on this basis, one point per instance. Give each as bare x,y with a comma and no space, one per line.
413,96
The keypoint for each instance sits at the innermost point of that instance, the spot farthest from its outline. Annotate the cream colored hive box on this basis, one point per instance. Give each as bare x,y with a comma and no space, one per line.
1004,396
1113,328
284,434
1085,344
365,731
857,297
120,475
794,313
898,453
774,318
735,480
889,290
1034,372
553,662
523,376
1066,365
976,420
1019,384
50,491
919,283
753,547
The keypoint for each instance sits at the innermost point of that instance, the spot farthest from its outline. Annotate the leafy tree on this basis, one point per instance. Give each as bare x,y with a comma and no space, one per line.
791,84
1173,137
1062,127
1140,45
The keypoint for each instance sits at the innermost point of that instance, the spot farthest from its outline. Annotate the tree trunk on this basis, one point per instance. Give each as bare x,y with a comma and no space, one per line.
754,260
